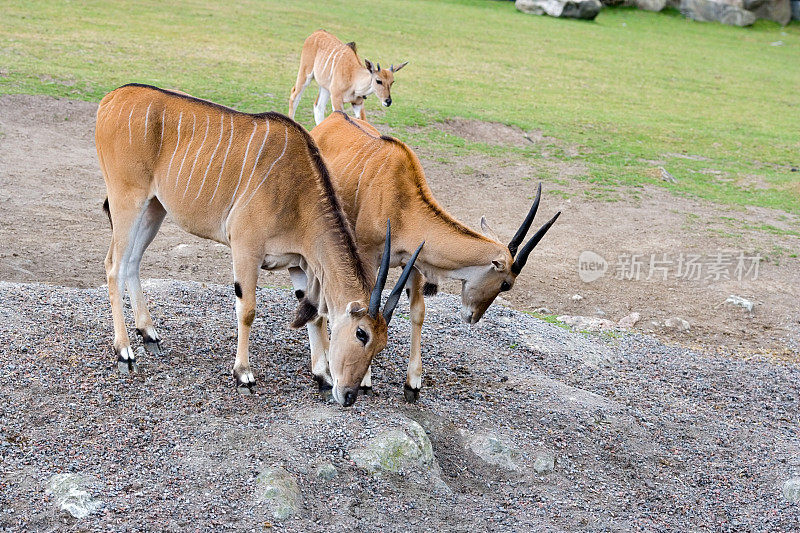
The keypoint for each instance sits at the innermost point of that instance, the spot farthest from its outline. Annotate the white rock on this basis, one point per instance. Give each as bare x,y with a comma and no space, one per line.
327,471
544,463
494,450
791,490
677,324
587,323
577,297
741,302
627,322
71,494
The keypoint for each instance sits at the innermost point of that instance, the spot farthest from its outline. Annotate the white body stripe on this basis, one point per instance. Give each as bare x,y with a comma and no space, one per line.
178,142
211,160
255,163
330,55
285,143
224,160
244,162
188,145
130,135
199,149
146,120
333,67
160,142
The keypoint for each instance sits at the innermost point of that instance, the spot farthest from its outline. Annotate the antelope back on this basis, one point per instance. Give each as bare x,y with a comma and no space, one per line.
208,164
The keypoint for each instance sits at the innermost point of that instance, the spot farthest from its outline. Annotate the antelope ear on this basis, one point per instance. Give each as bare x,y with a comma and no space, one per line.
398,67
489,232
499,265
356,310
369,65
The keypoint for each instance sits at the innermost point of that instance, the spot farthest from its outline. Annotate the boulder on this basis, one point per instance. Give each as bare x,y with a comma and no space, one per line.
277,488
778,10
576,9
791,490
71,492
729,12
396,449
495,450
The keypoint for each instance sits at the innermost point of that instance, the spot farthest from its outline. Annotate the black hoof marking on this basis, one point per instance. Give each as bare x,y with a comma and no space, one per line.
366,391
323,384
153,346
411,394
245,390
127,366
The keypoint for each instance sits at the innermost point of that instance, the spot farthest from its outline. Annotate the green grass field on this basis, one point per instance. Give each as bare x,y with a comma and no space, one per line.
630,88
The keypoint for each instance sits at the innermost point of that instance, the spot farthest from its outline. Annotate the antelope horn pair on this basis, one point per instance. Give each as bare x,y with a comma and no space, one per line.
394,296
522,258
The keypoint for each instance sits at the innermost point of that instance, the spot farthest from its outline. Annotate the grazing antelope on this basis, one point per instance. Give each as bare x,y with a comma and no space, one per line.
378,177
256,183
340,75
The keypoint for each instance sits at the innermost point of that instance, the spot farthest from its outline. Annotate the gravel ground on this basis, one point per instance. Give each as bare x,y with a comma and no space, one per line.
645,436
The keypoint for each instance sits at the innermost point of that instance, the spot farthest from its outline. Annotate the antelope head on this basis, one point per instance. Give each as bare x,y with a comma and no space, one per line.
361,332
382,80
483,283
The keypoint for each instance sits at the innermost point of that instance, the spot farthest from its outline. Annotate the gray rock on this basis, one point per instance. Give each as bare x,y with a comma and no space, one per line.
494,450
544,463
791,490
717,11
396,449
677,324
327,471
278,489
795,14
779,11
741,302
665,175
71,493
577,9
653,5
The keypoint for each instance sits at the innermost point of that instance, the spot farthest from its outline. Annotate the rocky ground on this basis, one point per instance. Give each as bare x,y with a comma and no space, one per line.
521,426
53,230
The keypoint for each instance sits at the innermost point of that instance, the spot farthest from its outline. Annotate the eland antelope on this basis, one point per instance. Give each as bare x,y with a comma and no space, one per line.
340,75
256,183
378,178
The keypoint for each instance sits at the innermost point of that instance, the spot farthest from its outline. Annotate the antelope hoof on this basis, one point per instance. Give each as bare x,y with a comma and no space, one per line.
152,345
325,388
411,394
245,381
126,361
366,391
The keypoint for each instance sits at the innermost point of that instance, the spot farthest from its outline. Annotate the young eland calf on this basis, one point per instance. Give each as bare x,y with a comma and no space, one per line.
378,178
256,183
340,75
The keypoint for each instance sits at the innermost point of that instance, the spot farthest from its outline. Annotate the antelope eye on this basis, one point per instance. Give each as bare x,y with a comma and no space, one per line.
362,336
379,82
505,287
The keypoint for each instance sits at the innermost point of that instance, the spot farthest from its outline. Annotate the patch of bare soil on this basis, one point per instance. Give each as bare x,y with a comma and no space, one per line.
52,229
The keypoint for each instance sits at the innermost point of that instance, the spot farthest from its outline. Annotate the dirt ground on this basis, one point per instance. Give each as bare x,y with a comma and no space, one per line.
53,230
